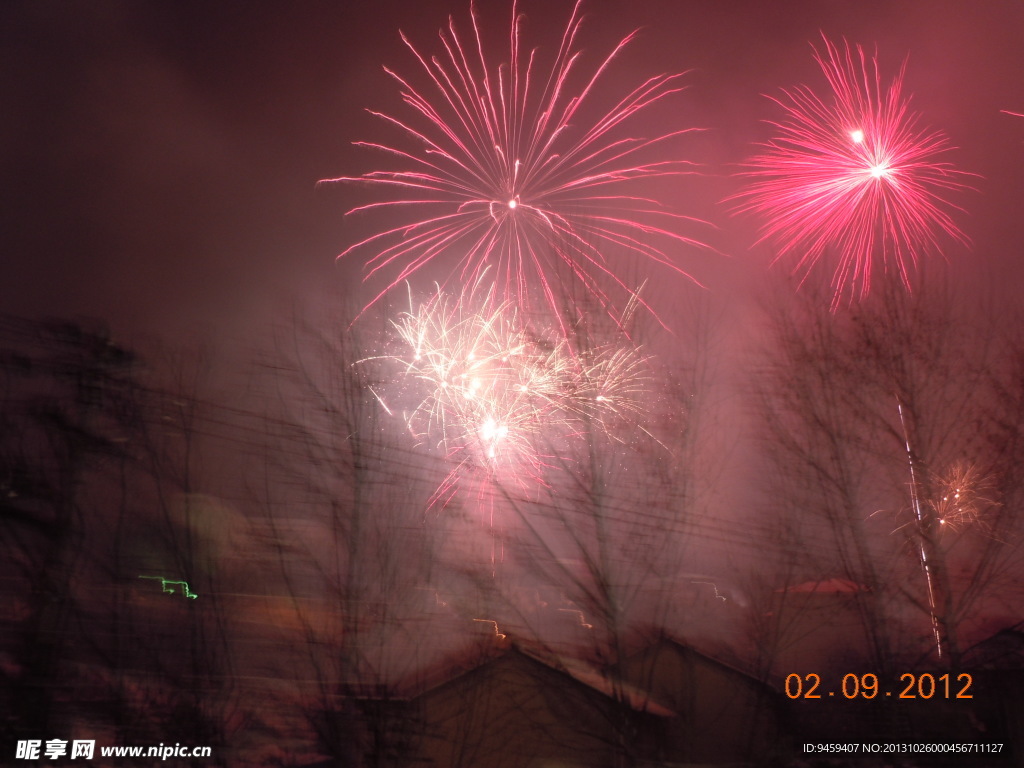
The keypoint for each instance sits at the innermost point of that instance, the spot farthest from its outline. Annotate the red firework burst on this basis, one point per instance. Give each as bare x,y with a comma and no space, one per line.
854,176
504,171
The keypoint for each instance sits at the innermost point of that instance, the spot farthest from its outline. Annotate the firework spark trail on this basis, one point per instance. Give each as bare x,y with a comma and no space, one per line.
926,567
493,395
853,174
505,170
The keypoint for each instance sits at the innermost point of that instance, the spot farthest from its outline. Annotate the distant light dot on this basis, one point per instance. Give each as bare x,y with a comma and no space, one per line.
857,136
512,204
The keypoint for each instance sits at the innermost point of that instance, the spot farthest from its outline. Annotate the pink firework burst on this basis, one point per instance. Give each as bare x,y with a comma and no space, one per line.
853,176
504,170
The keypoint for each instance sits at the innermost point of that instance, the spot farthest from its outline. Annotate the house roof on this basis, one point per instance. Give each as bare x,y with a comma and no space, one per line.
578,671
729,667
612,687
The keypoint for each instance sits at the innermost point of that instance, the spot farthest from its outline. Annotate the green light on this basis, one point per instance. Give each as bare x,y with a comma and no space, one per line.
167,585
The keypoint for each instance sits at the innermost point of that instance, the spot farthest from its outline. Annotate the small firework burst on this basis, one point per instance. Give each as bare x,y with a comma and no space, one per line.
963,496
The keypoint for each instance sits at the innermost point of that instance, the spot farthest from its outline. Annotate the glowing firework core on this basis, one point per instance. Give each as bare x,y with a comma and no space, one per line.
879,171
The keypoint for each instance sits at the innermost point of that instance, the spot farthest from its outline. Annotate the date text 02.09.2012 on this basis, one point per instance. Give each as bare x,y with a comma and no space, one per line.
911,685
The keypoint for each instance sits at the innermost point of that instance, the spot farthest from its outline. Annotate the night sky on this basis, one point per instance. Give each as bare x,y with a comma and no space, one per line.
160,160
